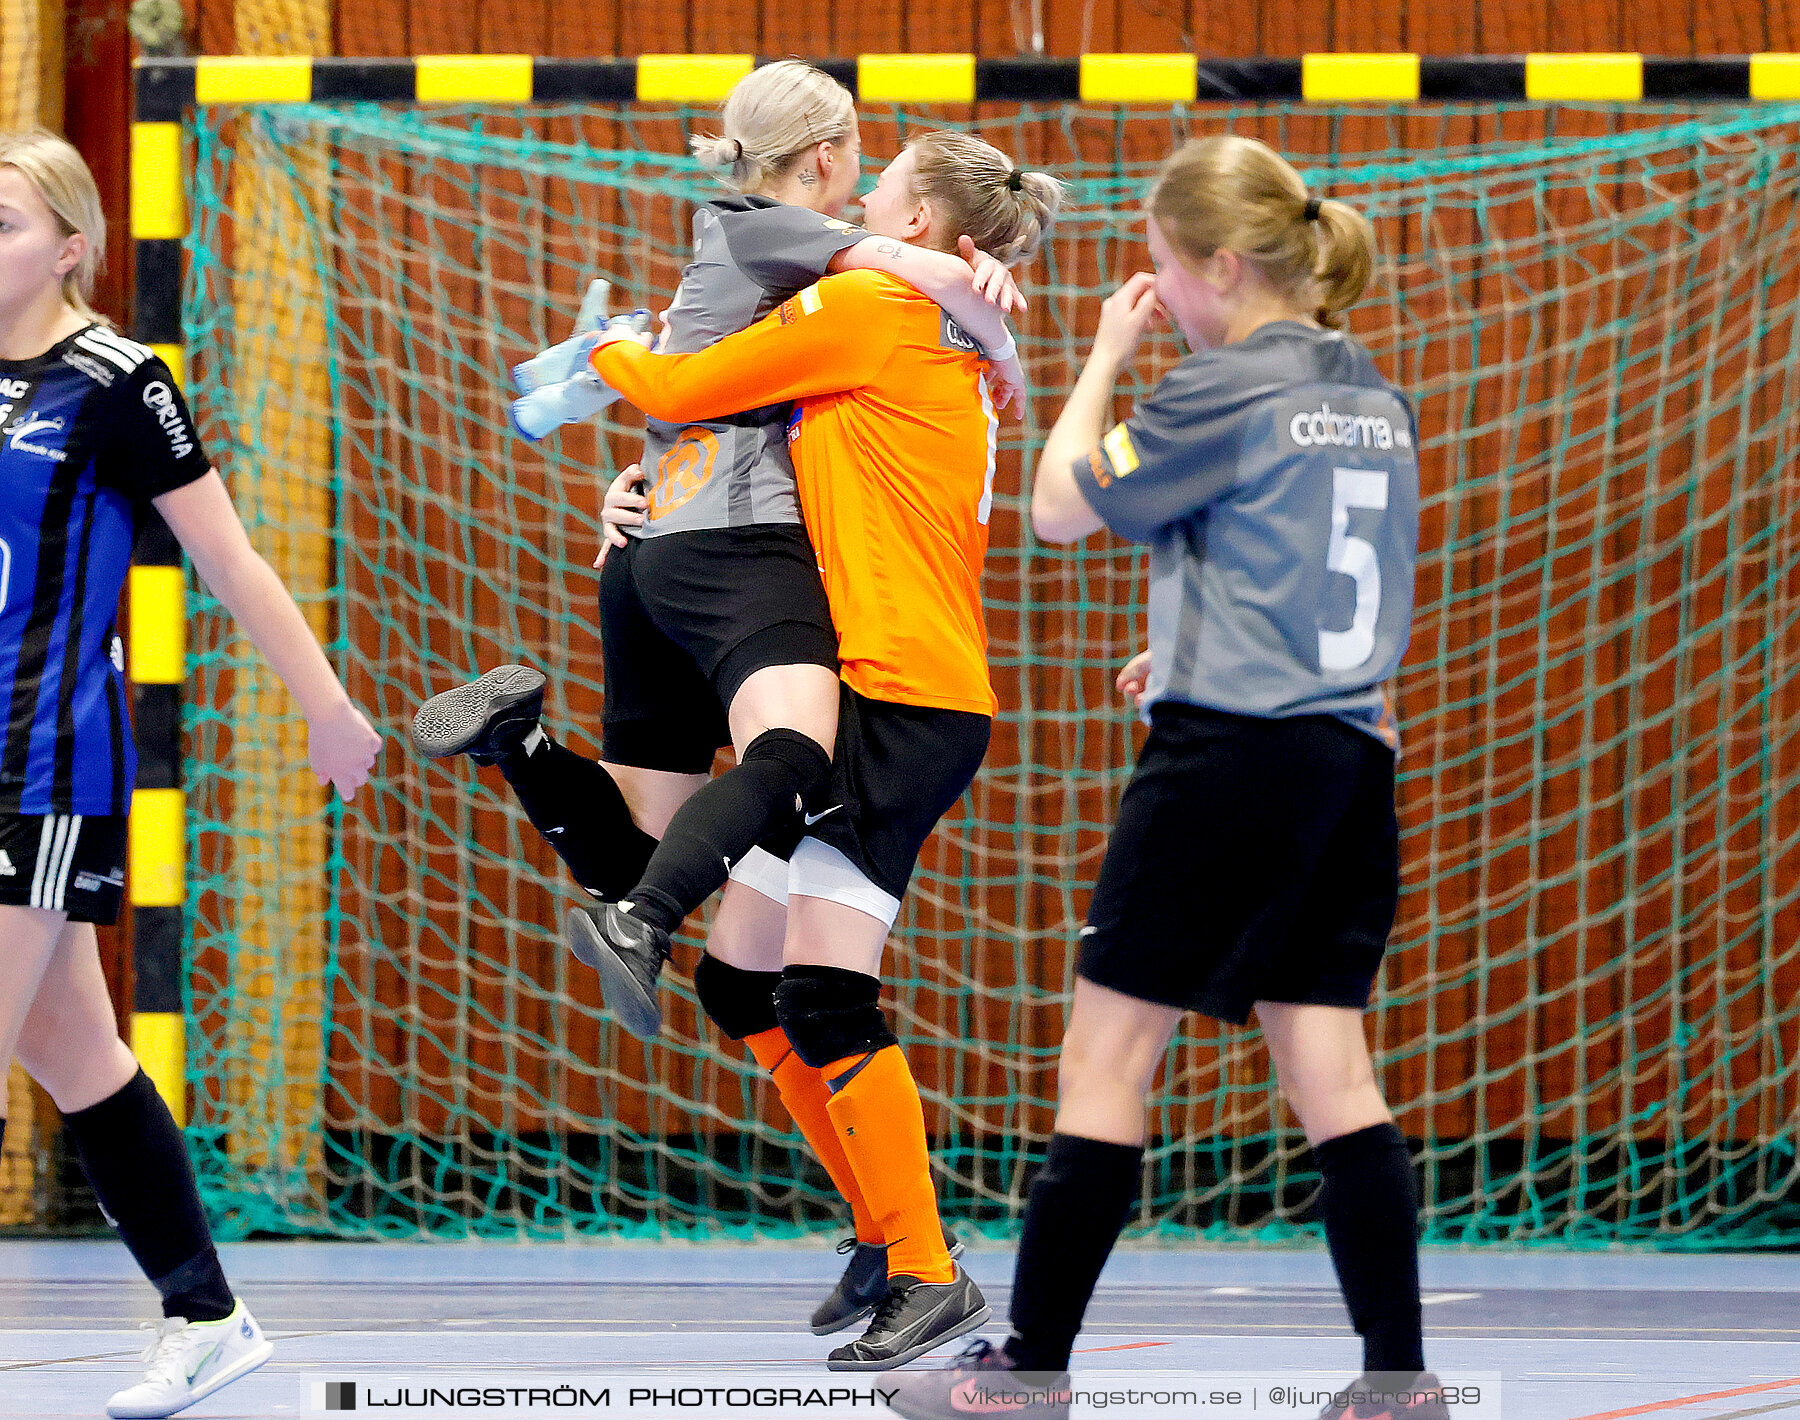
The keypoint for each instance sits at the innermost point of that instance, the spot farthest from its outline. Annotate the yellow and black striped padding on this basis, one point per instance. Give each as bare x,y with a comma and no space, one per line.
157,655
167,86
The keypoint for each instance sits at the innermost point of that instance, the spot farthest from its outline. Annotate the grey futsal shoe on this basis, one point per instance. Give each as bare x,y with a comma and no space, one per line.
628,954
1389,1395
982,1383
864,1283
485,719
913,1318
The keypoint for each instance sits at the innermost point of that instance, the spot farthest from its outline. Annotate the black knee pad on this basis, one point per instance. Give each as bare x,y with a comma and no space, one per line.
740,1003
805,761
829,1013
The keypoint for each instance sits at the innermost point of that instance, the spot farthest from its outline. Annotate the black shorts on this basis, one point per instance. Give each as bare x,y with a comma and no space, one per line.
686,619
896,771
73,863
1255,859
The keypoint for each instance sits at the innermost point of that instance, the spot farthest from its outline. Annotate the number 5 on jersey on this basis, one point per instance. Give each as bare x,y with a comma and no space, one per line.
1355,558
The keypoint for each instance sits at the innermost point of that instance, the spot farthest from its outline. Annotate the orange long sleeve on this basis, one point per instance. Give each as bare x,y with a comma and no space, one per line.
832,337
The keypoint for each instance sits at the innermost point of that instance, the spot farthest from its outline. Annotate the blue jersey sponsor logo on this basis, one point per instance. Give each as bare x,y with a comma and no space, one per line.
21,437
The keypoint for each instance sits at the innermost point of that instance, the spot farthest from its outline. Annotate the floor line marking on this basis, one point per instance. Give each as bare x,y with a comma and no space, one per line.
1124,1346
1694,1400
1759,1410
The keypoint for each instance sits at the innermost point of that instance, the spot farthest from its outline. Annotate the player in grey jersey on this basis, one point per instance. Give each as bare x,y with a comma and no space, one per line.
696,655
1254,867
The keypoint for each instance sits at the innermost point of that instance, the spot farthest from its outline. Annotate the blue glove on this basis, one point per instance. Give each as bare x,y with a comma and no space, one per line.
551,406
560,362
567,358
582,394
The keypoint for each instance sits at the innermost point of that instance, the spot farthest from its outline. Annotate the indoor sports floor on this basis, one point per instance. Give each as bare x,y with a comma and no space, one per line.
1570,1334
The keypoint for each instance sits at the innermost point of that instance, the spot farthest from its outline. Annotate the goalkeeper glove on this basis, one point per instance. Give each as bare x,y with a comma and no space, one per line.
581,394
562,360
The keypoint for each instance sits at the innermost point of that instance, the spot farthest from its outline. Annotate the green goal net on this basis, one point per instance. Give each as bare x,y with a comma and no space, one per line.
1587,1021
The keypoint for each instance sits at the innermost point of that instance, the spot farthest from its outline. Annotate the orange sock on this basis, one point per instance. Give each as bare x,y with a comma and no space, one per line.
804,1091
875,1106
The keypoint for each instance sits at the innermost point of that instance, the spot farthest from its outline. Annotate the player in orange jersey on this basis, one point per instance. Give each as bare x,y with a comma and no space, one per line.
893,441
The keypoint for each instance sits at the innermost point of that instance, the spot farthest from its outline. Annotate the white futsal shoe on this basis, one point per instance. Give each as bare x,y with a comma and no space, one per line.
189,1360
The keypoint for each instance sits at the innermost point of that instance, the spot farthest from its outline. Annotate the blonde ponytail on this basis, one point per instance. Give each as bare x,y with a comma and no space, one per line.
1346,260
772,117
976,192
1238,194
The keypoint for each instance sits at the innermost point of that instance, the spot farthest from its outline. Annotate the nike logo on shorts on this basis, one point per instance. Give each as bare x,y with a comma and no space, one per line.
811,819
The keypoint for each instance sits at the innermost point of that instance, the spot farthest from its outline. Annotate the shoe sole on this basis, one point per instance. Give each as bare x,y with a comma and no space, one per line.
247,1363
621,992
956,1251
452,720
912,1353
834,1327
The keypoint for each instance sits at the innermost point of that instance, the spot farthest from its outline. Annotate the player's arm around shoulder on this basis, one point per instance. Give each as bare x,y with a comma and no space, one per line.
1060,508
342,744
978,291
834,335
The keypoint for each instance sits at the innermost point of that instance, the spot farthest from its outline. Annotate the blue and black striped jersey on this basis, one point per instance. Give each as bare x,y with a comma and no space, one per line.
90,431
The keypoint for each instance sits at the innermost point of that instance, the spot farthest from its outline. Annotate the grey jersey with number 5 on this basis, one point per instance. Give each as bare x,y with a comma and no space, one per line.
1277,483
750,255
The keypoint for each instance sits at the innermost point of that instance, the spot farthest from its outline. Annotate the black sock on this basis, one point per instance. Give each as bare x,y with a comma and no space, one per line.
1079,1204
725,820
575,804
1370,1204
137,1163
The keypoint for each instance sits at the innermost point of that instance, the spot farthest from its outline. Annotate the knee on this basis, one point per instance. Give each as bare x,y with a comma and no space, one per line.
830,1013
77,1073
801,759
740,1003
1340,1107
1104,1065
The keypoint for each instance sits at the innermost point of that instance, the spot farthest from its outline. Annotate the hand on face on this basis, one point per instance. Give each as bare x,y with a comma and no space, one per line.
1124,317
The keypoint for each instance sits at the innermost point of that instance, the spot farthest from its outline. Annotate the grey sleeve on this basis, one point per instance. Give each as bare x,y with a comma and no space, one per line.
786,248
1176,453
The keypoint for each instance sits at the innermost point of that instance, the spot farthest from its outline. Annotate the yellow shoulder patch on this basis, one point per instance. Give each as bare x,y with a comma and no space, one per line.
809,299
1119,450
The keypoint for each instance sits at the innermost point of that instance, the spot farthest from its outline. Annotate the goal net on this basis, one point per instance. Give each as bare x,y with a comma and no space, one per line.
1587,1021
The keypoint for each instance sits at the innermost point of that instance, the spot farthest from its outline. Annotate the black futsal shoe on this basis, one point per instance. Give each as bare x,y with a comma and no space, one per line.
982,1382
1389,1395
913,1318
628,953
864,1283
486,719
